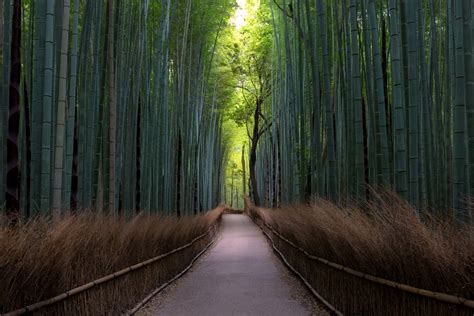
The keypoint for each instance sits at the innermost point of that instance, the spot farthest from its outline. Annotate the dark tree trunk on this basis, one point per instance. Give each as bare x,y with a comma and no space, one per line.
74,177
388,109
196,209
276,173
13,170
253,176
232,189
28,151
244,176
279,169
253,152
366,149
138,163
178,177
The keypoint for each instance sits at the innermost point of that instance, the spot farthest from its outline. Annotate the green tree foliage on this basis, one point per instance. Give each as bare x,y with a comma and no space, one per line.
252,57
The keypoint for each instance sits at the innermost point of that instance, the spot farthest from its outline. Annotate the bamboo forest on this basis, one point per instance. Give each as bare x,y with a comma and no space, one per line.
298,157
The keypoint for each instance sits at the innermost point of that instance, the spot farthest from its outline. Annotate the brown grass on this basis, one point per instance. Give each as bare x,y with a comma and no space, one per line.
383,238
39,259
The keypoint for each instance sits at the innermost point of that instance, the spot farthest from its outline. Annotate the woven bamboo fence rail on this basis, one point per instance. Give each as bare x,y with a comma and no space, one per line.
39,306
447,298
328,305
163,286
356,293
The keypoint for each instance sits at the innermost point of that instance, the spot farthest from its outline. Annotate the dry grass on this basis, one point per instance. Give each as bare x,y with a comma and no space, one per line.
39,260
383,238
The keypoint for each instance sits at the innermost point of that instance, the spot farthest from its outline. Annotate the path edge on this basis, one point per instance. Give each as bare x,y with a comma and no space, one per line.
326,304
141,304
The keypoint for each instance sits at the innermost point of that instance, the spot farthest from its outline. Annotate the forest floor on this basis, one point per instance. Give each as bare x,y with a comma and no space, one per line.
239,276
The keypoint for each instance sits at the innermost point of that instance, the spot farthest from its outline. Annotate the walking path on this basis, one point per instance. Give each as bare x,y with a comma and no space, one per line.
239,276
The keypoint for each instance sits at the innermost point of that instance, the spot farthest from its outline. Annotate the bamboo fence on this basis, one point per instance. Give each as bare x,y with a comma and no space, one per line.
353,292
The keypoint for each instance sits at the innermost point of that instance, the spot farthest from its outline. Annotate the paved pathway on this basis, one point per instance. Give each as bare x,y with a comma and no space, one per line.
239,276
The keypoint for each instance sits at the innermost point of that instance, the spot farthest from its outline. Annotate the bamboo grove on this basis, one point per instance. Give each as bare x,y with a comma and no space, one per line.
111,105
124,105
369,93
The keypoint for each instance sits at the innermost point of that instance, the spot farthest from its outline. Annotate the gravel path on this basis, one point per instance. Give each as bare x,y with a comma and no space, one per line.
239,276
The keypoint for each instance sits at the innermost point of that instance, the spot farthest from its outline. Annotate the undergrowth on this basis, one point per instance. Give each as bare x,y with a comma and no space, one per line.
40,259
384,238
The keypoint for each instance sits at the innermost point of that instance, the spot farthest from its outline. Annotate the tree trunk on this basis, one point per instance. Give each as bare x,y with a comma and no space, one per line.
75,162
3,111
253,176
357,103
138,162
26,207
112,111
47,108
71,107
244,174
232,189
13,171
178,176
253,152
61,115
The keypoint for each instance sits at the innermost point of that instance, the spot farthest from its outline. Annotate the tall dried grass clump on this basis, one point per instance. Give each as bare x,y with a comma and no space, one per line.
40,259
384,238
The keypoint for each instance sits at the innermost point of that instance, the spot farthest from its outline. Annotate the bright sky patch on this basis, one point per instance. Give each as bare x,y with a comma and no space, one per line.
240,14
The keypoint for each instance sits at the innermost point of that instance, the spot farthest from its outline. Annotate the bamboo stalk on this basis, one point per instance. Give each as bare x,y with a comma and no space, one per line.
60,136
